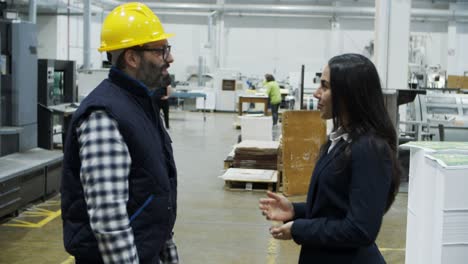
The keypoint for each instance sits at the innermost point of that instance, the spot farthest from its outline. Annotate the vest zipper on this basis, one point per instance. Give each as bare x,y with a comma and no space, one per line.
141,208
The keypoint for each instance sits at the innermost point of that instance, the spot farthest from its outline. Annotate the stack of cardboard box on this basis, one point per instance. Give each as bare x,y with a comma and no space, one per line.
455,81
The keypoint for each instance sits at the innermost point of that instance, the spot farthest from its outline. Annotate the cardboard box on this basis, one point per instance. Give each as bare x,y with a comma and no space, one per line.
464,82
304,132
256,128
455,81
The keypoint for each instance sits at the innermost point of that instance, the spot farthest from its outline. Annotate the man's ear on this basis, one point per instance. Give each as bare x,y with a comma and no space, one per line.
132,59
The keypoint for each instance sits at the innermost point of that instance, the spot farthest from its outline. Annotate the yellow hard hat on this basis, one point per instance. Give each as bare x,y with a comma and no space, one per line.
129,25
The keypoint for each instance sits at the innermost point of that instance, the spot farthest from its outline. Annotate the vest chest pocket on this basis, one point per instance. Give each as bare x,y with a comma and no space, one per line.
142,183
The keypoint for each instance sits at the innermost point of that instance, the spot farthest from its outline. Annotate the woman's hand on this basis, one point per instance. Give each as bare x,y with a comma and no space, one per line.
282,232
276,207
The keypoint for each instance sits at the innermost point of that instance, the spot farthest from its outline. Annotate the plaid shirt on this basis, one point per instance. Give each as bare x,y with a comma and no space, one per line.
169,253
105,167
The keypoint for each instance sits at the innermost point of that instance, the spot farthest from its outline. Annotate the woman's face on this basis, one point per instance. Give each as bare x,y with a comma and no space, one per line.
323,94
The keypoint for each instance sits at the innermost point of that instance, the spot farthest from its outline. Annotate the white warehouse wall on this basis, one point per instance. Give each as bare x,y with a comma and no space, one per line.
47,37
357,34
75,46
256,46
253,45
436,35
191,34
62,38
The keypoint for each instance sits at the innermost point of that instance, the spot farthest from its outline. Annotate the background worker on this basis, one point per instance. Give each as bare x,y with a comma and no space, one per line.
161,99
274,95
119,181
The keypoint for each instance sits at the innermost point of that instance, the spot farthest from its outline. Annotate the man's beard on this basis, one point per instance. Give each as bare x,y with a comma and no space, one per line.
165,80
151,75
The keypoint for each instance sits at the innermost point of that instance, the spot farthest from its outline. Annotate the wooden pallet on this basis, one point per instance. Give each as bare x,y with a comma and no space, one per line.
228,162
249,186
250,179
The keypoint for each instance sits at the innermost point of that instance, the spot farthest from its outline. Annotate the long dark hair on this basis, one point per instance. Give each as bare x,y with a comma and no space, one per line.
357,98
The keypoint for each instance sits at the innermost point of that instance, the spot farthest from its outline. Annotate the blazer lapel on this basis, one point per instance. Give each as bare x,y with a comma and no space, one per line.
330,156
322,164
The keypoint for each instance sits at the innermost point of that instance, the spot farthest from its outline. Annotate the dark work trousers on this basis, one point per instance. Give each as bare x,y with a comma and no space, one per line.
164,106
274,112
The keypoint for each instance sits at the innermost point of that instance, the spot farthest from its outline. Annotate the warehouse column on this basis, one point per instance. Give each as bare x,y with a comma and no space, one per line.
210,46
452,68
398,44
392,28
452,53
381,29
336,42
87,35
32,11
220,51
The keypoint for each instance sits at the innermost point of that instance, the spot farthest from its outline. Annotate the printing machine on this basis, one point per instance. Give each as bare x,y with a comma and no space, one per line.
27,173
449,111
56,96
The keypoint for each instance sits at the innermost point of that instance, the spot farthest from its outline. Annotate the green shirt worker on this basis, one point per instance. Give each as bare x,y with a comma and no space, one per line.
274,94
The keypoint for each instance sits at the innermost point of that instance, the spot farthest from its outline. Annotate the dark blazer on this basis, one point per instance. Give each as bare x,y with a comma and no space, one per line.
345,205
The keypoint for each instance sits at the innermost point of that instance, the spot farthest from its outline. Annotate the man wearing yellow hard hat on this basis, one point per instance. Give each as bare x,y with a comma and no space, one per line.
119,177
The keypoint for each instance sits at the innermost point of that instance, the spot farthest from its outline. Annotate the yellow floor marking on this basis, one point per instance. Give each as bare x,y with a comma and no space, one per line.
51,203
273,247
272,251
43,210
36,211
50,215
20,221
69,260
35,214
391,249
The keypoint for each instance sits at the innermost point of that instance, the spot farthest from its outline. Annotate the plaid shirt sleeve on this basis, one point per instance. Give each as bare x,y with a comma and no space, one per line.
105,166
169,253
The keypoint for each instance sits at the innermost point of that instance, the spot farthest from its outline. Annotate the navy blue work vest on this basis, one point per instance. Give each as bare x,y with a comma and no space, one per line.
152,180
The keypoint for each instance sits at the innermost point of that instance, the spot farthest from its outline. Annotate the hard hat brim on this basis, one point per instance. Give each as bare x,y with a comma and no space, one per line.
128,45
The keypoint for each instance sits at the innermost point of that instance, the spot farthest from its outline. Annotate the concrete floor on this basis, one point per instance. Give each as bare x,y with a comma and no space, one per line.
213,225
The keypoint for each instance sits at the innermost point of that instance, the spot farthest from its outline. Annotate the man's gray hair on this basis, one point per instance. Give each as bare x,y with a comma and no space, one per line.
114,56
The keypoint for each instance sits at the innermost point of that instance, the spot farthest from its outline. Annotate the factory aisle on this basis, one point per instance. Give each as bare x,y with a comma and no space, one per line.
213,225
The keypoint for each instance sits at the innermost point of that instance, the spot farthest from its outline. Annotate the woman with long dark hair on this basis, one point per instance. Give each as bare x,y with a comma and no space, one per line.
356,176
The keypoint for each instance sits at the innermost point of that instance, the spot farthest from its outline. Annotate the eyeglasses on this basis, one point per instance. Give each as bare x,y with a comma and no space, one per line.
164,50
